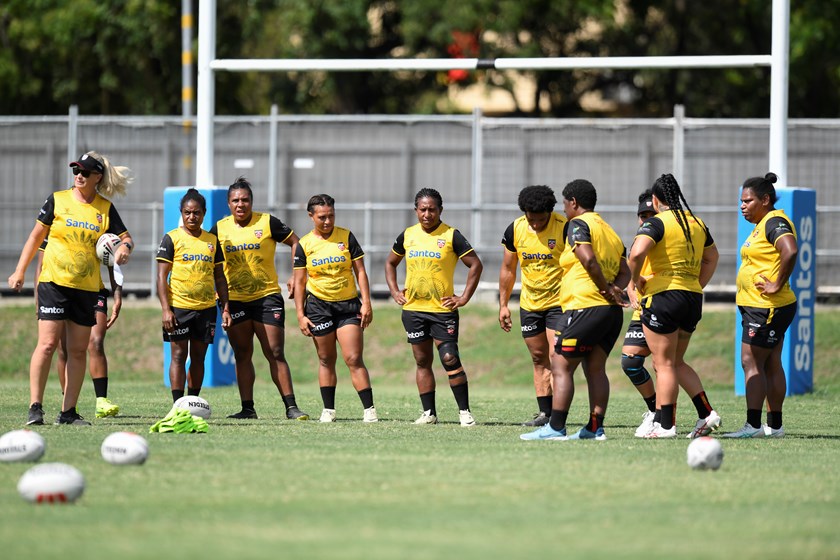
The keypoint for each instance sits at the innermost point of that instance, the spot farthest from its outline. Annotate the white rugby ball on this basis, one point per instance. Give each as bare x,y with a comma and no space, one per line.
125,448
21,445
196,405
704,453
106,246
51,483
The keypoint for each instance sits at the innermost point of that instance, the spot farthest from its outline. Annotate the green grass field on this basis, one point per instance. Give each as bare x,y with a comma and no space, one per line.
282,489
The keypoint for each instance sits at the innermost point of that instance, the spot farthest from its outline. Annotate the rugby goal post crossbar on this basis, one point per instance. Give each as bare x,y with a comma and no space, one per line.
208,65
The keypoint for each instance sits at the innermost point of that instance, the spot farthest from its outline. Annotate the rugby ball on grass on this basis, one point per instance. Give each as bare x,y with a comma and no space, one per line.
125,448
106,246
196,405
704,453
51,483
21,445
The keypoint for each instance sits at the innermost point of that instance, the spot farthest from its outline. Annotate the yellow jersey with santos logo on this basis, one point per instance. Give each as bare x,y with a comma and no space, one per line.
430,260
70,257
759,256
578,290
249,254
539,259
192,284
674,262
329,264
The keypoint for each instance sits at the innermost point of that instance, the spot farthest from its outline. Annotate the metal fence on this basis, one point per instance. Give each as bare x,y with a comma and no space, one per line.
373,166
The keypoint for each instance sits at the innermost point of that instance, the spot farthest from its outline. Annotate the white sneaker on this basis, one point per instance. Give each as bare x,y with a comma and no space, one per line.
705,426
466,418
747,432
658,432
426,418
370,415
773,433
327,415
646,425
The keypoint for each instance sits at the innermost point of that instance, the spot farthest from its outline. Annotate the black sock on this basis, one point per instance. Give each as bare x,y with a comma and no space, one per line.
774,419
754,417
100,387
289,400
701,403
667,419
462,395
558,419
428,402
177,394
366,396
328,396
595,422
657,416
544,403
247,405
193,391
651,402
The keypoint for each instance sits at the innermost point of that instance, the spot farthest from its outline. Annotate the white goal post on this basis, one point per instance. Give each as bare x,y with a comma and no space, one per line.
208,65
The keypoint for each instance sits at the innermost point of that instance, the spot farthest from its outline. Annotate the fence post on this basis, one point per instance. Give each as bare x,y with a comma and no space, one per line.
72,139
678,158
272,157
477,160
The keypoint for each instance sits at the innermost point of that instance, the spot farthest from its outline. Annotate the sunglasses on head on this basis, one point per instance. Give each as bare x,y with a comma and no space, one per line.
84,172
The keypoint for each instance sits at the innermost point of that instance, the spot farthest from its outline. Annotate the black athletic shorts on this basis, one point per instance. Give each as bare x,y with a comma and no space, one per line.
583,329
533,323
329,316
766,327
59,303
665,312
635,335
421,326
268,310
102,302
193,324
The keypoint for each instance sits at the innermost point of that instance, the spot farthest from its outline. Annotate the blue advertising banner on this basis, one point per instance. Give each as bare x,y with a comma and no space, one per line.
218,363
798,351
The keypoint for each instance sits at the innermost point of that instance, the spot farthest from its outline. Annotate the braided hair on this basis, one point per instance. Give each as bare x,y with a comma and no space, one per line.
668,191
428,193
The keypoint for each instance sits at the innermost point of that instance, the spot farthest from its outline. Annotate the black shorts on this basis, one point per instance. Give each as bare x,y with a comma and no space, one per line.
533,323
329,316
583,329
268,310
421,326
59,303
101,302
766,327
193,324
665,312
635,335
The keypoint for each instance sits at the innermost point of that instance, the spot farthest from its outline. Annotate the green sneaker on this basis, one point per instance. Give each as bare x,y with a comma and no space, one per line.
105,408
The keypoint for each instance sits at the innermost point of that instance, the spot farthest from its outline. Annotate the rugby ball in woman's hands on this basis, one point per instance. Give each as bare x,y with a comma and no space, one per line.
21,445
196,405
51,483
106,246
125,448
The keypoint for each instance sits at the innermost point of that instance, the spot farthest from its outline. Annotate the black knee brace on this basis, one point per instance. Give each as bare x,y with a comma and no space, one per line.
634,368
447,351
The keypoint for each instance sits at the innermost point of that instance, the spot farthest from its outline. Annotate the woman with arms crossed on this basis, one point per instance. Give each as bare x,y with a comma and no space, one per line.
328,306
